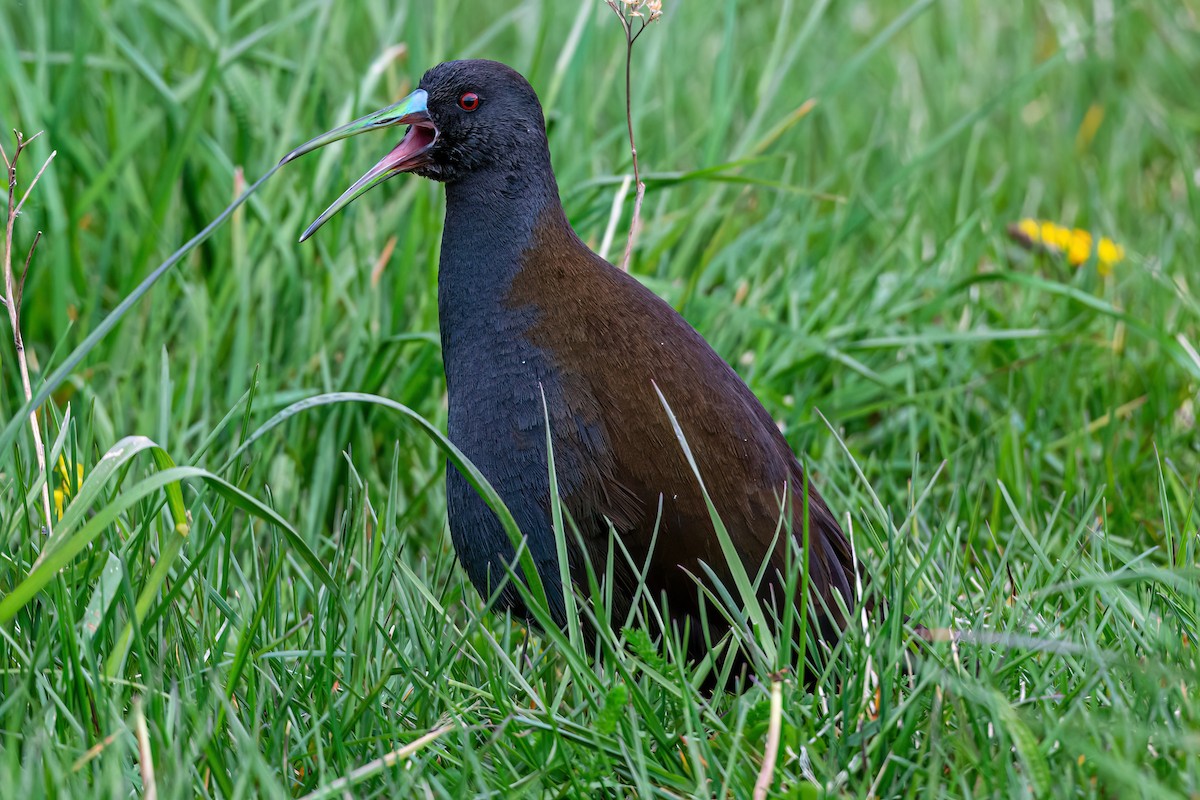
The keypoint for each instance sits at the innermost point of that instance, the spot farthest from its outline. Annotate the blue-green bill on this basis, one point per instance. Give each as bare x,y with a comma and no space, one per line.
405,157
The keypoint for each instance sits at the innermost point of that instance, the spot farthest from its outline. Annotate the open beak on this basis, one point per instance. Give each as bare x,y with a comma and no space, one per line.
410,154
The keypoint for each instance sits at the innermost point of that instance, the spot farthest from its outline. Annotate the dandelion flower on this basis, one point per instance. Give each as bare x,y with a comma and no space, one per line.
67,485
1076,244
1055,236
1108,253
1029,229
1079,247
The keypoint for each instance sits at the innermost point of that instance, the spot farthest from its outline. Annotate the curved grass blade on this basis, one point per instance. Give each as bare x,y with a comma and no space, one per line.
70,538
56,378
456,457
737,569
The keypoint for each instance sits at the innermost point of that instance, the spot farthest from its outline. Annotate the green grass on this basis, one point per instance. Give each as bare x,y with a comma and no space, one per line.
1011,441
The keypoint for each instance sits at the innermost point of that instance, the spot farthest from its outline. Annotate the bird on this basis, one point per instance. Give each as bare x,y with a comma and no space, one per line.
539,331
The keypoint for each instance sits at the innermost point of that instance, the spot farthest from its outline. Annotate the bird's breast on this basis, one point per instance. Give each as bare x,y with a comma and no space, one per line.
503,391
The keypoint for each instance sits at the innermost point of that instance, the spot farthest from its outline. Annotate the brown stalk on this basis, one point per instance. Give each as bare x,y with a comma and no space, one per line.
626,12
13,291
766,773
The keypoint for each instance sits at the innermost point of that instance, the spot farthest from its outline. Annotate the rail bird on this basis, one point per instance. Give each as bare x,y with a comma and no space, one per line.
528,311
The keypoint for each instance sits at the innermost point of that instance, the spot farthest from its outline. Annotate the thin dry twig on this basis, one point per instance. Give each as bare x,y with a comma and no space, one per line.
25,272
14,290
644,12
354,777
766,774
36,178
145,757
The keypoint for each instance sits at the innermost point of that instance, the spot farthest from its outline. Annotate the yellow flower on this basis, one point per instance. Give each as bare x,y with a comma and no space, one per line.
1108,253
1029,228
67,486
1075,244
1055,236
1079,247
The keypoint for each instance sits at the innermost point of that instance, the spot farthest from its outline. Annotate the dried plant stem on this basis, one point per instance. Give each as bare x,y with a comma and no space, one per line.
635,223
13,291
766,773
145,756
626,15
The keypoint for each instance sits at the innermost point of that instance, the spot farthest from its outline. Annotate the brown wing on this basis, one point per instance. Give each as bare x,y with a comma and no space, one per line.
744,460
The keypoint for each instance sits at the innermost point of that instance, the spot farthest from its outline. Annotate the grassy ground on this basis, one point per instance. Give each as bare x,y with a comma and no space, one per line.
1011,439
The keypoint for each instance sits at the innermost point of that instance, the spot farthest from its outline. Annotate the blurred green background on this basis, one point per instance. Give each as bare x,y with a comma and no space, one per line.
829,187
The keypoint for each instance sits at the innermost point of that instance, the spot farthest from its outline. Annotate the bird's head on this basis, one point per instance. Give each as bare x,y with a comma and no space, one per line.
465,118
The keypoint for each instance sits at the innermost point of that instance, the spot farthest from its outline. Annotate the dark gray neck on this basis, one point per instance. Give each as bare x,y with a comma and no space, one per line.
490,220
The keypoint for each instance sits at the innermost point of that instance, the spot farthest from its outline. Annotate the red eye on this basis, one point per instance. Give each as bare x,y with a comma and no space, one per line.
469,101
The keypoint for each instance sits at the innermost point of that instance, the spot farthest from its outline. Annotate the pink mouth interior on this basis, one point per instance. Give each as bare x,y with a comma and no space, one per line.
415,141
